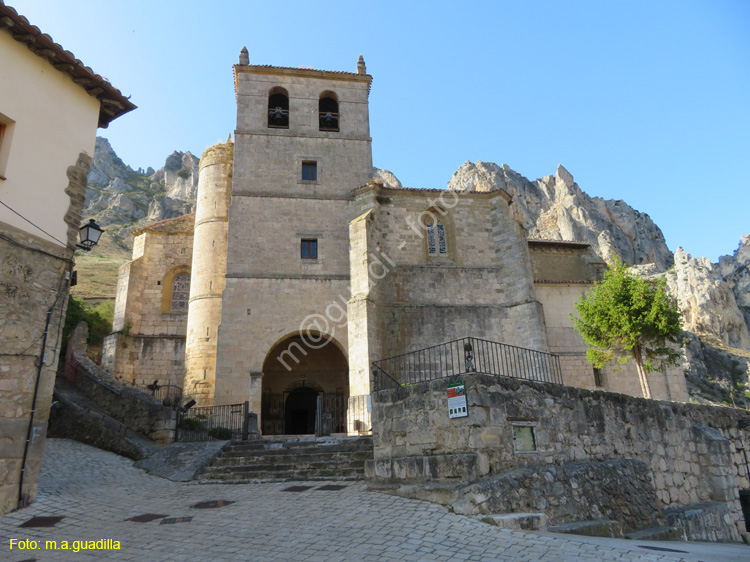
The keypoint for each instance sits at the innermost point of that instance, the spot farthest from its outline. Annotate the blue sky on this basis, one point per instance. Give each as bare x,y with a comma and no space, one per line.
648,101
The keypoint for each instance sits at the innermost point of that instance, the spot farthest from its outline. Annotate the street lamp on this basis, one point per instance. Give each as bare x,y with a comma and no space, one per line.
89,234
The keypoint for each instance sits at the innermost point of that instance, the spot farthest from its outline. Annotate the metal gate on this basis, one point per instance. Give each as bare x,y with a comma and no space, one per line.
329,404
208,423
272,413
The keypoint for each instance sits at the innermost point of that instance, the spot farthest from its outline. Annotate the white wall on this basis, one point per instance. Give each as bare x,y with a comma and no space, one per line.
55,120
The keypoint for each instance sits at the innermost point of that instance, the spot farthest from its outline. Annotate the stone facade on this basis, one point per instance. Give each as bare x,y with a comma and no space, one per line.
148,339
693,455
306,268
33,288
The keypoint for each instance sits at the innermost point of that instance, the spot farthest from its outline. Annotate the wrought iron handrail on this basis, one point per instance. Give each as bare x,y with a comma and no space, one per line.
466,355
208,423
165,394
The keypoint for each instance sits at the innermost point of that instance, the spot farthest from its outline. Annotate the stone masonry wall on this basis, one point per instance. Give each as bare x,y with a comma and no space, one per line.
558,300
207,281
148,339
127,405
34,281
405,299
693,453
145,359
30,282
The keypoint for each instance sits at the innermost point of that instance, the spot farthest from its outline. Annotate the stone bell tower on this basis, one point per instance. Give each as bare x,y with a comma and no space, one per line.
302,144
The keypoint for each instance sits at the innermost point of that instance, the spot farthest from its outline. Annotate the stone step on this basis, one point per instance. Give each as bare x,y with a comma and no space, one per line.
284,475
321,479
233,451
307,457
658,534
599,528
517,521
302,465
303,442
292,458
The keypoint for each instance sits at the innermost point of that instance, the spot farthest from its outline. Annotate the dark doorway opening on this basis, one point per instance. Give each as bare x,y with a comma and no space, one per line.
745,504
299,411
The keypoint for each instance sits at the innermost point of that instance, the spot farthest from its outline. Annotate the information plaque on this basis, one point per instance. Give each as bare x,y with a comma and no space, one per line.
457,400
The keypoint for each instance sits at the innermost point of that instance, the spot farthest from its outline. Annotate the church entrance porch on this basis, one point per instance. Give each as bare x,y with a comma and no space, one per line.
304,389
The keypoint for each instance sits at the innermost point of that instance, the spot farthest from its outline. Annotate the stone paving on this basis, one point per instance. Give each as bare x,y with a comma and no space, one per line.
97,492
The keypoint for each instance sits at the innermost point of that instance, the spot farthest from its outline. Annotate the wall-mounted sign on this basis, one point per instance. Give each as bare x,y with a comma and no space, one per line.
457,400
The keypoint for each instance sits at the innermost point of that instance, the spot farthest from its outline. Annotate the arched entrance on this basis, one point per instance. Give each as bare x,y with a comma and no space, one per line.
297,380
300,407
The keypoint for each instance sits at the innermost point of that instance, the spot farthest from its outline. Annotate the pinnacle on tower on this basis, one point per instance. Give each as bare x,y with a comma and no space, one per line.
244,57
361,68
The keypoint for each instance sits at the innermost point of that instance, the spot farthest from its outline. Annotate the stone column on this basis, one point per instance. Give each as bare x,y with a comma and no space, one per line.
207,275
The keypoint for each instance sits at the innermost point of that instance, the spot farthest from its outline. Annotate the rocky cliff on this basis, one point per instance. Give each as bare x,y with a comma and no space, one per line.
555,207
122,198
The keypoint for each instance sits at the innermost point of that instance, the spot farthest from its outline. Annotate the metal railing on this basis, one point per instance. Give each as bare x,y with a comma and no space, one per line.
166,394
466,355
208,423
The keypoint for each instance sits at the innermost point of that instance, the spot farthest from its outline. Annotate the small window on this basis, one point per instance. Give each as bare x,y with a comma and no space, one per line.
599,379
278,109
524,438
309,249
6,132
436,243
309,171
328,112
180,291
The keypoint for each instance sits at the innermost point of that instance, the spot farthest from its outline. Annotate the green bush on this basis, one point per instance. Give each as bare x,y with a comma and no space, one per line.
183,173
99,319
191,424
222,433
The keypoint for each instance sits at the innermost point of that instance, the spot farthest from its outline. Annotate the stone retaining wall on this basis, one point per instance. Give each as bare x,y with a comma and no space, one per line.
692,454
127,405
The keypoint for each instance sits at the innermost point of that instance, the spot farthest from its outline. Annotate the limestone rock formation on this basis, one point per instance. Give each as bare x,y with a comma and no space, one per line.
708,303
164,207
735,270
387,177
556,208
122,199
179,176
106,165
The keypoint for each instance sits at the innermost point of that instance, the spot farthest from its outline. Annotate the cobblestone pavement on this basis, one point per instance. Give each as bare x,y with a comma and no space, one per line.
97,492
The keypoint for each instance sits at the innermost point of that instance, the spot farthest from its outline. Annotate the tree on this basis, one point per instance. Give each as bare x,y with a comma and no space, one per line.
624,317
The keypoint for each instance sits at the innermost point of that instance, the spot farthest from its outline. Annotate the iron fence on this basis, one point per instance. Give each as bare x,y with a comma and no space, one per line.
208,423
466,355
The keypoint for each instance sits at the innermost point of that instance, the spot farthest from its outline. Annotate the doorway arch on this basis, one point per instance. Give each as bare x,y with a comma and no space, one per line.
296,378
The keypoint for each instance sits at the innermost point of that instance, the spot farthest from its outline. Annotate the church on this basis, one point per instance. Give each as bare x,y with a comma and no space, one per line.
301,267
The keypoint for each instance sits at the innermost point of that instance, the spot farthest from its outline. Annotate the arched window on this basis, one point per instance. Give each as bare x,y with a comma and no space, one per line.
438,235
175,293
328,112
180,292
278,108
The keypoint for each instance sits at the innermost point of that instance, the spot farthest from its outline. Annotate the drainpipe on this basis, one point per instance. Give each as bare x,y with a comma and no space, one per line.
22,498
